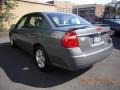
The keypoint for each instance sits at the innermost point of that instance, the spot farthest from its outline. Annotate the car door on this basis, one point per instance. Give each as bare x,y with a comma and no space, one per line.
39,31
23,32
18,32
31,32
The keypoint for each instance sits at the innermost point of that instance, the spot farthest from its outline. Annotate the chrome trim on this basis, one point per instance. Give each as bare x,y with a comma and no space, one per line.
85,55
93,45
97,33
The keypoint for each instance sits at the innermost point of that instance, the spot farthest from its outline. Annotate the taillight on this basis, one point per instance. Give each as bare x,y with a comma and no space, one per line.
98,28
70,40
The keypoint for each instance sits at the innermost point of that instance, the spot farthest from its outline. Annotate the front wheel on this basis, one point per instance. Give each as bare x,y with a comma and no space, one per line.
12,43
41,59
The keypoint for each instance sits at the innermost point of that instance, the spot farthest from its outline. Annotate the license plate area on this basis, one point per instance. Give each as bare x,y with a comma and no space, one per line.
97,39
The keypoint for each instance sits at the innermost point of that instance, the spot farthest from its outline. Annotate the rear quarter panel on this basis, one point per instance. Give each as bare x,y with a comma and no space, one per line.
50,39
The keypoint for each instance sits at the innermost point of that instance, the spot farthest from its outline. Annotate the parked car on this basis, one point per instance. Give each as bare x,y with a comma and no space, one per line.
113,23
61,39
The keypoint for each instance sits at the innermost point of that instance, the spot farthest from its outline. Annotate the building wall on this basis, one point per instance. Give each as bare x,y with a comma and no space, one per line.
28,7
99,10
89,11
63,6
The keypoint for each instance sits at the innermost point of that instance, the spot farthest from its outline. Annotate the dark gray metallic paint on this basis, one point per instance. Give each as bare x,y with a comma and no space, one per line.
71,58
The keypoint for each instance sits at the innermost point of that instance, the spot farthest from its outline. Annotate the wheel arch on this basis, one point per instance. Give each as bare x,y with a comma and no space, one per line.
10,34
38,45
113,28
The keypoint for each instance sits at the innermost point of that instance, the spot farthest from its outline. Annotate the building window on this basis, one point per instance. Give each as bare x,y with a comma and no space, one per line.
69,11
66,10
92,8
60,10
66,6
75,11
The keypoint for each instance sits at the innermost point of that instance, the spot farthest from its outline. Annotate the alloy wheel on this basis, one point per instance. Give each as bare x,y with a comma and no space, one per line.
40,58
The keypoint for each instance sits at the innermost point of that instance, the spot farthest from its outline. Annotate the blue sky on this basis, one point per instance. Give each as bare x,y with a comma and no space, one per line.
84,1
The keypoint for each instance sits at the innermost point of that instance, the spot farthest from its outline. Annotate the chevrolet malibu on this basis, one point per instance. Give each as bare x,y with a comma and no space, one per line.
61,39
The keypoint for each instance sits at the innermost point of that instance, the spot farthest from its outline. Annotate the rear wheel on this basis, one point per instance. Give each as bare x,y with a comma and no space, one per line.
41,58
113,32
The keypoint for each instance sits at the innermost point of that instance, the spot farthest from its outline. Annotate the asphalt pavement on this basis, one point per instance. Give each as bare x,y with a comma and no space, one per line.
19,72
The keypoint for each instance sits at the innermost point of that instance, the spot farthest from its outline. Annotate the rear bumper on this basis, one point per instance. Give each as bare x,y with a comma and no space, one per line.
85,60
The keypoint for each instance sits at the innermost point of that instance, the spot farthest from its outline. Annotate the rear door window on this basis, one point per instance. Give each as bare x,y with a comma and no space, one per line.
37,21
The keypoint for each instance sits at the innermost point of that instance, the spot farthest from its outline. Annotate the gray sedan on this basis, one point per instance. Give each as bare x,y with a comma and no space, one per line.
61,39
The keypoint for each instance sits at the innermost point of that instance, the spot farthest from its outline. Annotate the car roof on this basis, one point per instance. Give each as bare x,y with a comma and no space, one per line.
47,13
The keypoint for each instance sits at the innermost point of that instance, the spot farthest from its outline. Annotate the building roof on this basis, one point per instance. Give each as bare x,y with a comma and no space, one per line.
51,2
86,5
28,1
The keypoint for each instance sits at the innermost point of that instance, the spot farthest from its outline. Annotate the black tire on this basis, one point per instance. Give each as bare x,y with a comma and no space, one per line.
44,59
12,43
114,32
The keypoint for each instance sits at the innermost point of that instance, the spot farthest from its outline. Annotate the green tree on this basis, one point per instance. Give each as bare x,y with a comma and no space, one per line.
107,11
5,15
113,11
110,11
118,11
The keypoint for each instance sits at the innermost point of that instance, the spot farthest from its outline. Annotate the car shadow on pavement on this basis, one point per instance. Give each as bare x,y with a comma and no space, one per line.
116,42
20,68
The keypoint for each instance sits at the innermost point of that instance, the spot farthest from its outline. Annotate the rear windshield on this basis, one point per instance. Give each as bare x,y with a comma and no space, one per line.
67,20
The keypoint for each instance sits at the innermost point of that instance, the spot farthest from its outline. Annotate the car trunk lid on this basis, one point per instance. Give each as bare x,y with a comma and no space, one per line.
93,38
